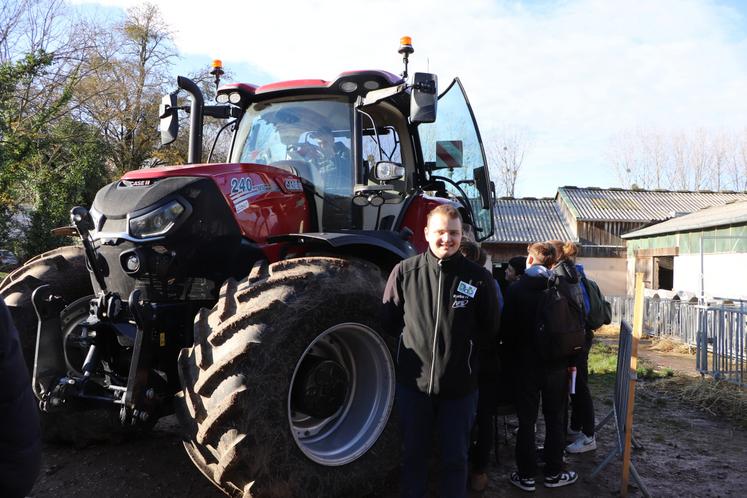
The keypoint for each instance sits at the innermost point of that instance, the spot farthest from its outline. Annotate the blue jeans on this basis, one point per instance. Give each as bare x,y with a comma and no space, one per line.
452,419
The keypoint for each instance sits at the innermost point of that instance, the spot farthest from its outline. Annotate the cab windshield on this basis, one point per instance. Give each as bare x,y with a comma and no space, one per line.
309,138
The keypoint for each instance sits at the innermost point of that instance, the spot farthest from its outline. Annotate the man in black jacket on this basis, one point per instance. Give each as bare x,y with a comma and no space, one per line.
533,376
20,436
444,310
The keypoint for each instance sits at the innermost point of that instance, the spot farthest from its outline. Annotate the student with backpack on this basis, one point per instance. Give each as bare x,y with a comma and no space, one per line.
580,435
541,330
598,312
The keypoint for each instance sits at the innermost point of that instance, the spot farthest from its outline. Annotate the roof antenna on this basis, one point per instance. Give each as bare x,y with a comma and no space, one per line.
405,48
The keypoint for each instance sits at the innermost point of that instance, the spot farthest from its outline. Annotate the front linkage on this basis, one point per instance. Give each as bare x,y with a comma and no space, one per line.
115,345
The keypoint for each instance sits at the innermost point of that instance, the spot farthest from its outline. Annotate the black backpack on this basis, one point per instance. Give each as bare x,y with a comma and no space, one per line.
560,322
600,311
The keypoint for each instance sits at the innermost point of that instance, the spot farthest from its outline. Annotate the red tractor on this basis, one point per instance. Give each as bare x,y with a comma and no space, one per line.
244,295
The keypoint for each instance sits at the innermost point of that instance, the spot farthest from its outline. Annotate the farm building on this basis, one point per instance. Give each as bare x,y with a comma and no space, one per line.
596,219
669,253
520,222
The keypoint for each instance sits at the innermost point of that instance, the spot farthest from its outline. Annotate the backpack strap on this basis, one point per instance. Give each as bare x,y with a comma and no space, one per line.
553,280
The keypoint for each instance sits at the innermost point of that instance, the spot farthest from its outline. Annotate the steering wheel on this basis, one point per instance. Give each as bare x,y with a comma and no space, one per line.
305,152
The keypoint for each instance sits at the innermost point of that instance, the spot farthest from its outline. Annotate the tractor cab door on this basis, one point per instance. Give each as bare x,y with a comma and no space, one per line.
453,154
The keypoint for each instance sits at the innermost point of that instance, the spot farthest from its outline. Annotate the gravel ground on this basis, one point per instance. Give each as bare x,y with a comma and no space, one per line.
686,453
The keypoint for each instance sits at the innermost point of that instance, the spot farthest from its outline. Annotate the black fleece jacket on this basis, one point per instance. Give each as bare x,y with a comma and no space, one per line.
446,316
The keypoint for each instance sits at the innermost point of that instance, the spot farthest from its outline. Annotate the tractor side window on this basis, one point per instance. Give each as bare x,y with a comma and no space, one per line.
453,152
387,148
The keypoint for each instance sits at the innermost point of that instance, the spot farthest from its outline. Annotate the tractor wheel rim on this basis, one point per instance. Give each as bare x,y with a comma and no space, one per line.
351,431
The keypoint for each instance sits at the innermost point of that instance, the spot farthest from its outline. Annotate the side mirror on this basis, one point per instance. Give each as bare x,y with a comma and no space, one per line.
424,98
168,113
384,171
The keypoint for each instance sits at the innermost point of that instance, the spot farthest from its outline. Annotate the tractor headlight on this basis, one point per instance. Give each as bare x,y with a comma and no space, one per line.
157,222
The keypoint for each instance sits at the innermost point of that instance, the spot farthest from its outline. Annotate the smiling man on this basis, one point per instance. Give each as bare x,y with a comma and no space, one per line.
444,310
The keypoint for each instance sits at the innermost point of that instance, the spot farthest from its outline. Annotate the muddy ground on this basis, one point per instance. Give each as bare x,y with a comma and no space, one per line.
686,453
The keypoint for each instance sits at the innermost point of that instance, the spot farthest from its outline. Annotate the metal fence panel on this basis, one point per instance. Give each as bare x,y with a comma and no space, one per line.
718,331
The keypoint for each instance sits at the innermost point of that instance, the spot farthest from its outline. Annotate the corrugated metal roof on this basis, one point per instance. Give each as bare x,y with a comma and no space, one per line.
597,204
528,220
734,213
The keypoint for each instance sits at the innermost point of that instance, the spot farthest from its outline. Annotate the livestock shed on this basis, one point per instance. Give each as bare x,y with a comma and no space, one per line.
519,222
600,217
597,219
669,253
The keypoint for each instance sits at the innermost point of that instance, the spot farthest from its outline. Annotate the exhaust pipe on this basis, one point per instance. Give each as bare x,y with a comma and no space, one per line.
195,118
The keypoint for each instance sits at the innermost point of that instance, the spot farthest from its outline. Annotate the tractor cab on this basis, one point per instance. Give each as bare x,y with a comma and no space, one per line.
369,149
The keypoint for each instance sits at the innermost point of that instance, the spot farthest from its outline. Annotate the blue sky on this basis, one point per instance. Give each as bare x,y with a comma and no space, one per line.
573,74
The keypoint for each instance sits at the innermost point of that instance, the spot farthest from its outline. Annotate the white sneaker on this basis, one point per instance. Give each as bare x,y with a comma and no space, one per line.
582,445
572,436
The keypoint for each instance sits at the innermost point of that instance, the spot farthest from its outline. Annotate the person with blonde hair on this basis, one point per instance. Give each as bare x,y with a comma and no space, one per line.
580,434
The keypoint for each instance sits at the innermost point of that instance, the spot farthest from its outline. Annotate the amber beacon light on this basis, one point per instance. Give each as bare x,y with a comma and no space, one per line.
405,48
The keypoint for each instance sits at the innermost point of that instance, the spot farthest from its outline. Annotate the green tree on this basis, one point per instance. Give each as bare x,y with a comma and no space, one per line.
66,171
19,133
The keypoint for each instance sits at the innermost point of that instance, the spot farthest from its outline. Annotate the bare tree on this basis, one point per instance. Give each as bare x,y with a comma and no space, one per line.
129,72
697,160
735,160
506,149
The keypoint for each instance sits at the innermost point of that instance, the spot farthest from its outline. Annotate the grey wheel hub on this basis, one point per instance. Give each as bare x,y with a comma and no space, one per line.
341,394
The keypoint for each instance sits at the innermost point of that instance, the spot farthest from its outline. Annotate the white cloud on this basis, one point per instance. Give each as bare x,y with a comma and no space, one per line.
574,73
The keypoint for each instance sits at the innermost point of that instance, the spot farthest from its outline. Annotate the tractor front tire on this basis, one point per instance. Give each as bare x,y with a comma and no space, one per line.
288,389
64,269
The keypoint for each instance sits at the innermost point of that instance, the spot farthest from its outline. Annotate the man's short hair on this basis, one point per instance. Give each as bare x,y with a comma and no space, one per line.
543,253
447,210
518,263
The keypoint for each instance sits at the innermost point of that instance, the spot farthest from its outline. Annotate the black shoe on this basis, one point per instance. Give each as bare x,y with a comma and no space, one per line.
561,479
525,484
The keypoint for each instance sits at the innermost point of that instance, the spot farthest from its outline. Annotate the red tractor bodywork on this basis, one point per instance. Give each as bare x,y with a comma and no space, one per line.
265,201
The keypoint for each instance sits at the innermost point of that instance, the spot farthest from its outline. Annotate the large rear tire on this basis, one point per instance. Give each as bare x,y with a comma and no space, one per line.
296,338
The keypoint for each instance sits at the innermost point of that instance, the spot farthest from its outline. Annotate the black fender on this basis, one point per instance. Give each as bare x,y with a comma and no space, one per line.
382,247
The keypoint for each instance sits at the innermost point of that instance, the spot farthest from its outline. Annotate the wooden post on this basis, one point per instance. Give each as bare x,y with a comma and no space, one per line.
637,333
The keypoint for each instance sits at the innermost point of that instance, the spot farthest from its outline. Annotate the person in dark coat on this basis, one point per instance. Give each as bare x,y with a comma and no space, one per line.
483,431
20,434
580,434
534,377
443,309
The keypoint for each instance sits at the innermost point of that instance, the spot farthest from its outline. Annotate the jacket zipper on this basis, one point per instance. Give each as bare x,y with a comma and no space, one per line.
435,330
399,347
469,357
